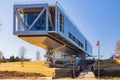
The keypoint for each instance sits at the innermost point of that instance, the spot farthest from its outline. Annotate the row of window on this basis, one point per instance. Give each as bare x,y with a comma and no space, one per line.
72,37
65,56
75,40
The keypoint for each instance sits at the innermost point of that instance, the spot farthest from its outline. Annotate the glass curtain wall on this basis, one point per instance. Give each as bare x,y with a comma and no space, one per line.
40,23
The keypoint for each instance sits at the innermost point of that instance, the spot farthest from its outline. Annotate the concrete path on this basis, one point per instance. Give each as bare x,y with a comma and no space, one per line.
86,75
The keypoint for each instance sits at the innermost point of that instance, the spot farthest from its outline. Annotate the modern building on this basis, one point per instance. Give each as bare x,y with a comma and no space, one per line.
50,27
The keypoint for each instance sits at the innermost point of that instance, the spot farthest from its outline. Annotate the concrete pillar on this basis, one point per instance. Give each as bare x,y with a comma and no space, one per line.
48,56
53,58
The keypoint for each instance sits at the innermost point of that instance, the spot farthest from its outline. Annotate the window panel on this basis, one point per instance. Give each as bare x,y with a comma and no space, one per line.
40,23
61,23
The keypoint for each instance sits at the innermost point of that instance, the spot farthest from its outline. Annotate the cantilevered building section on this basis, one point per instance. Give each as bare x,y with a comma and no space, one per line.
49,27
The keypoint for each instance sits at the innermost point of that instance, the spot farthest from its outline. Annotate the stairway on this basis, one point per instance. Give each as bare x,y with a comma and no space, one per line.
86,74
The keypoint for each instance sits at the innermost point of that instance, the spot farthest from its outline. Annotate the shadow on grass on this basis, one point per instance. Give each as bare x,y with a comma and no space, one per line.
107,73
65,73
15,74
108,68
62,73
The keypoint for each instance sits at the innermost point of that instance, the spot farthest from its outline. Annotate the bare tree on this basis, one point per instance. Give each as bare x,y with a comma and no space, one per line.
22,51
38,55
1,55
117,48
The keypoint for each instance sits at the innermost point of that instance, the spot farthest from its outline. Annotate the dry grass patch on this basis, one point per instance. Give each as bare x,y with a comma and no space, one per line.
117,60
109,69
109,64
14,74
30,67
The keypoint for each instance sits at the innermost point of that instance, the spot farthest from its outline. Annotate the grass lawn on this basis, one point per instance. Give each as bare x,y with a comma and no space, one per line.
30,67
115,78
110,64
110,69
40,67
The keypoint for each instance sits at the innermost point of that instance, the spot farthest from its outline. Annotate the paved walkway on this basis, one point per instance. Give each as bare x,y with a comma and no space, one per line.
87,75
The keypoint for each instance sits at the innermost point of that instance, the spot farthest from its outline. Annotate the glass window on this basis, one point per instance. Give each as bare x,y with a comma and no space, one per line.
75,40
40,23
85,44
61,23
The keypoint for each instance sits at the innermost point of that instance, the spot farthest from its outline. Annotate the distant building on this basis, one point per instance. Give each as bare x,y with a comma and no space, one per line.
50,27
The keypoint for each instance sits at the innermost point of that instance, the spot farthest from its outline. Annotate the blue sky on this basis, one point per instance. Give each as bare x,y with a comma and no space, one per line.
96,19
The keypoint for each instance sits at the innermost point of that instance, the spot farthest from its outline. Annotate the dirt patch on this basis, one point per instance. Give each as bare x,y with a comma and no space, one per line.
15,74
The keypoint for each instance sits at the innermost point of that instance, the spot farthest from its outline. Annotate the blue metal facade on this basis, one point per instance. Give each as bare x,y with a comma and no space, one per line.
70,28
65,28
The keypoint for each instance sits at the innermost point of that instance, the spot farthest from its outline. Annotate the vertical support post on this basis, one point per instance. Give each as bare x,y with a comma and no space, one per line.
53,59
47,55
56,17
83,59
98,62
47,18
14,19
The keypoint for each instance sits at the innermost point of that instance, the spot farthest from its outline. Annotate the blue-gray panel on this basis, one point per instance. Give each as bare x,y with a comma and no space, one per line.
30,5
69,26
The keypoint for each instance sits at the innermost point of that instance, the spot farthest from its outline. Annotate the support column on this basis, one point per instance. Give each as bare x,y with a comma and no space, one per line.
51,54
53,59
48,56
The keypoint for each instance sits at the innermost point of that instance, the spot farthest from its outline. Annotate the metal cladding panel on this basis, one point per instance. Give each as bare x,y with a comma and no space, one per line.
69,26
30,5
